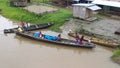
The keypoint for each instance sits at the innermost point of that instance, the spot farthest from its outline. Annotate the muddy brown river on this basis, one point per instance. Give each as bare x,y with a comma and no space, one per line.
20,52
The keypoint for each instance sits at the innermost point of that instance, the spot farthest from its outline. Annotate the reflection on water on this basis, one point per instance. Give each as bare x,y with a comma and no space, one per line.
20,52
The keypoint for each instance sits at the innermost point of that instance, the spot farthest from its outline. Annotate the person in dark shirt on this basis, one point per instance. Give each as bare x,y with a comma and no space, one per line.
59,37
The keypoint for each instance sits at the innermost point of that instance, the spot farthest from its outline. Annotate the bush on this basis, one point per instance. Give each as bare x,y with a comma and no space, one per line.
116,54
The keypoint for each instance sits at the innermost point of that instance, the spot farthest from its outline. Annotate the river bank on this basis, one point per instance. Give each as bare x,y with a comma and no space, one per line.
116,56
20,52
103,28
116,60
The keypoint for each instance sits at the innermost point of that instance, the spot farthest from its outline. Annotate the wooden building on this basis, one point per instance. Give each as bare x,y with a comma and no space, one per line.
19,3
84,11
109,6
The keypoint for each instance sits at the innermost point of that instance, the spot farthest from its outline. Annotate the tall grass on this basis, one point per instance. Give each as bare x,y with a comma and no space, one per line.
19,14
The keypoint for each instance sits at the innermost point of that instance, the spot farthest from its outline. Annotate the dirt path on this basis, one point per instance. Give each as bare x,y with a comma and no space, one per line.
41,9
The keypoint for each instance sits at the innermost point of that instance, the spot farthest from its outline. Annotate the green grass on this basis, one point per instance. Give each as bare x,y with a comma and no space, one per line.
116,54
18,14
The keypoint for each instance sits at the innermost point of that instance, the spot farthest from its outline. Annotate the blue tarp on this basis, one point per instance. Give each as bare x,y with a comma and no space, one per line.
48,37
54,38
36,35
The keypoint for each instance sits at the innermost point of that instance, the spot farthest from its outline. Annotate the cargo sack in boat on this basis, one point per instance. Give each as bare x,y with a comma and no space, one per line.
47,37
54,38
36,35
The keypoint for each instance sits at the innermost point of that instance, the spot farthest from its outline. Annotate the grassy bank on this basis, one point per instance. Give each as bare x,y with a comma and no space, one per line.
116,54
18,14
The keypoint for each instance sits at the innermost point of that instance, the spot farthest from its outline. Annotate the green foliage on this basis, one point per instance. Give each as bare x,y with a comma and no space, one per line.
19,14
116,54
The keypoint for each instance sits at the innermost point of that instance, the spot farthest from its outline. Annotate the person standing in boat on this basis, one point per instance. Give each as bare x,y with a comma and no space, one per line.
81,39
28,25
22,24
77,37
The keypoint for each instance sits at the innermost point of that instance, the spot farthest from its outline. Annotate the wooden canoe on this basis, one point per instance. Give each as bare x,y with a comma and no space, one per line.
30,28
62,41
96,40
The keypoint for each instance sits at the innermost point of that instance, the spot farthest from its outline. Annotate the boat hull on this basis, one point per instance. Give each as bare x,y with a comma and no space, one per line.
62,42
30,28
97,40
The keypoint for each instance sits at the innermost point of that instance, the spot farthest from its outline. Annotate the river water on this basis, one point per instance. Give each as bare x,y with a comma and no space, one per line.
20,52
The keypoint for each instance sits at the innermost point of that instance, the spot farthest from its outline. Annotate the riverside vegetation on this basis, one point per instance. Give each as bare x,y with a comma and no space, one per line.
19,14
116,56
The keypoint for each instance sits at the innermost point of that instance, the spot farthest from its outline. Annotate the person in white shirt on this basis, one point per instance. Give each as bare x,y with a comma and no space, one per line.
89,41
28,25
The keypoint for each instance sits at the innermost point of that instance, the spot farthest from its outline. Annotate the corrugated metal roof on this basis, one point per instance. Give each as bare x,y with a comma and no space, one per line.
94,7
114,3
89,6
83,4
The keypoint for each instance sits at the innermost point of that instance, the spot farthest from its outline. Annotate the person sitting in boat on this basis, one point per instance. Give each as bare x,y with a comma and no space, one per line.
59,37
77,37
40,34
89,41
80,40
20,29
43,36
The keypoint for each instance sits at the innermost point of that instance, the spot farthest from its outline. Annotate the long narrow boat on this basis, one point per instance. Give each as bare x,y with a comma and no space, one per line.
96,40
62,41
30,28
